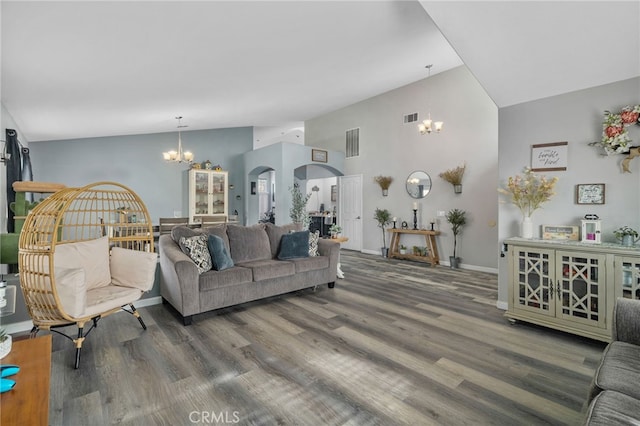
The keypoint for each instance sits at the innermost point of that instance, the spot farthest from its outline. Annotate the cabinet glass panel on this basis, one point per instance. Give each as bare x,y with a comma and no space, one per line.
581,292
202,193
218,194
629,278
534,281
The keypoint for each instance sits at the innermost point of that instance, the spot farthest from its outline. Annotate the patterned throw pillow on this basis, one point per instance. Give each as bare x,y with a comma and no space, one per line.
198,251
313,243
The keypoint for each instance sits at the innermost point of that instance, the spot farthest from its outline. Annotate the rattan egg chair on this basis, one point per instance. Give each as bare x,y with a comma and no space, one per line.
65,245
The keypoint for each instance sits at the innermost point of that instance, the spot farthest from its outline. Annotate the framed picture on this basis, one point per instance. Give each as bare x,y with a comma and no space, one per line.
560,232
590,193
549,156
319,155
334,192
253,188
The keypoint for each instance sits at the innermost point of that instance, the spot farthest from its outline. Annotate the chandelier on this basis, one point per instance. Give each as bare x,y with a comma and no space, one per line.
428,125
178,156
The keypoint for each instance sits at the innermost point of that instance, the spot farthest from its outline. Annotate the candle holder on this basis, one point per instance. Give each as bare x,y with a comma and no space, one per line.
433,224
394,224
415,219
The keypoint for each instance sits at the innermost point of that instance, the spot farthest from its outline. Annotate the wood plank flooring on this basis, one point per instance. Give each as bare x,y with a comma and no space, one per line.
394,343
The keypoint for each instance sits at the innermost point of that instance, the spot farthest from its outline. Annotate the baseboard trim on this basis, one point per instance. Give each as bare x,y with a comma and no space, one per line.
21,327
444,263
502,305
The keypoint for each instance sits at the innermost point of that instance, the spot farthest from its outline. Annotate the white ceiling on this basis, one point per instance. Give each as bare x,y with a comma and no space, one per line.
83,69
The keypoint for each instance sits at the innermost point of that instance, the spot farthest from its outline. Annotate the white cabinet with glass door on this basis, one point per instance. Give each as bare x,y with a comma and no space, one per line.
208,194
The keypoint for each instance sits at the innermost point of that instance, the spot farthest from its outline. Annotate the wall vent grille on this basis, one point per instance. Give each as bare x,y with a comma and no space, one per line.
352,148
411,118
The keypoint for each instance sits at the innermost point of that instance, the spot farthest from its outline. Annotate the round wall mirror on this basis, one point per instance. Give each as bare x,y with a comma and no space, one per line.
418,184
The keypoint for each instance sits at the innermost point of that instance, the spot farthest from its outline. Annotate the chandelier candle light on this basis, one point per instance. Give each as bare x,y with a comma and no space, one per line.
427,125
528,192
178,156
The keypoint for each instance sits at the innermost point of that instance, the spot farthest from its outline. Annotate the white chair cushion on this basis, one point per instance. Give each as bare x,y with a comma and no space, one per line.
92,256
103,299
133,268
72,290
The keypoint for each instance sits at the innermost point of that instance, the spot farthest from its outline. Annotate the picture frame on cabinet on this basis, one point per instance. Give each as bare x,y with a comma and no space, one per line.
590,193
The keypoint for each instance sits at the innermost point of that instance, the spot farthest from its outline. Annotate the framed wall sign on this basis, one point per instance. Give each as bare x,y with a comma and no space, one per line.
590,193
549,156
319,155
334,192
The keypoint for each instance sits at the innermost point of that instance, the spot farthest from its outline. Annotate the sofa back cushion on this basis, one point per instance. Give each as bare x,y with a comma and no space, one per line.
248,243
275,233
294,245
219,231
179,232
91,255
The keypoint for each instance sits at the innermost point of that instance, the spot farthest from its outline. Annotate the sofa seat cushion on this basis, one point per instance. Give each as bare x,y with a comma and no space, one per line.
267,269
213,280
620,369
248,243
613,408
102,299
305,264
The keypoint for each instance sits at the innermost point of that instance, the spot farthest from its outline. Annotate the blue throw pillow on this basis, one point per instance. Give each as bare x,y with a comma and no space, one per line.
219,256
293,245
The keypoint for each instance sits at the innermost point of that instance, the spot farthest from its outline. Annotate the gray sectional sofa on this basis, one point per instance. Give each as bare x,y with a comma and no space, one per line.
615,391
257,272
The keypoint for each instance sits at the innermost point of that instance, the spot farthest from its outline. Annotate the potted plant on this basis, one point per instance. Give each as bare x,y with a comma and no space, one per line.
457,219
385,183
298,212
383,217
403,249
5,343
454,177
335,230
627,236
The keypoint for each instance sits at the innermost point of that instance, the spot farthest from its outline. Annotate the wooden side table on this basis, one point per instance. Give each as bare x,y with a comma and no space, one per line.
28,402
430,239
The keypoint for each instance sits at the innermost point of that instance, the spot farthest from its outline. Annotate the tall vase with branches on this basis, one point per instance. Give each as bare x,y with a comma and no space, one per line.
298,211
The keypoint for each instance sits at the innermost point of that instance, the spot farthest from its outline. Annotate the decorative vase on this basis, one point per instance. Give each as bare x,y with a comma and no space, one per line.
385,192
526,227
5,347
453,262
457,189
385,251
628,240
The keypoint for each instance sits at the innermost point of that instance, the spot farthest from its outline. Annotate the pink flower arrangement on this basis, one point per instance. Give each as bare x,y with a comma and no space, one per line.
615,139
530,191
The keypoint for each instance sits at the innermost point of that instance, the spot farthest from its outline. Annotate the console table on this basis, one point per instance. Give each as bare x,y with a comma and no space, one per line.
28,402
430,239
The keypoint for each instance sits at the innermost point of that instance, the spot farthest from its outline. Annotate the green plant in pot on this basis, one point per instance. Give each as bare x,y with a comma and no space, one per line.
628,236
335,230
298,211
457,219
383,217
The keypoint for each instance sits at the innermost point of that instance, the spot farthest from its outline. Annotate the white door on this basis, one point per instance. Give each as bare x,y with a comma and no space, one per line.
350,210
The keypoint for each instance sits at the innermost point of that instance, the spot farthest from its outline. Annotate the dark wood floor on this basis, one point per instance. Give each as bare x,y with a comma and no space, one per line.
395,342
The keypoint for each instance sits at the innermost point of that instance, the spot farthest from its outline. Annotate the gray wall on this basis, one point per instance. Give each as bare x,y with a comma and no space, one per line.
136,161
389,147
574,117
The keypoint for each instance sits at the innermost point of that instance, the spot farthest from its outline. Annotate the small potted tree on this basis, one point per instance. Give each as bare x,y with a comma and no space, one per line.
383,217
385,183
457,219
298,211
335,230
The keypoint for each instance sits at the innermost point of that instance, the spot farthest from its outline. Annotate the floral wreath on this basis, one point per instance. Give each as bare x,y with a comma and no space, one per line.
615,138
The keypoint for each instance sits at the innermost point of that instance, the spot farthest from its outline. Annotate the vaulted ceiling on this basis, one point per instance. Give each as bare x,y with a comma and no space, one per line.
83,69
